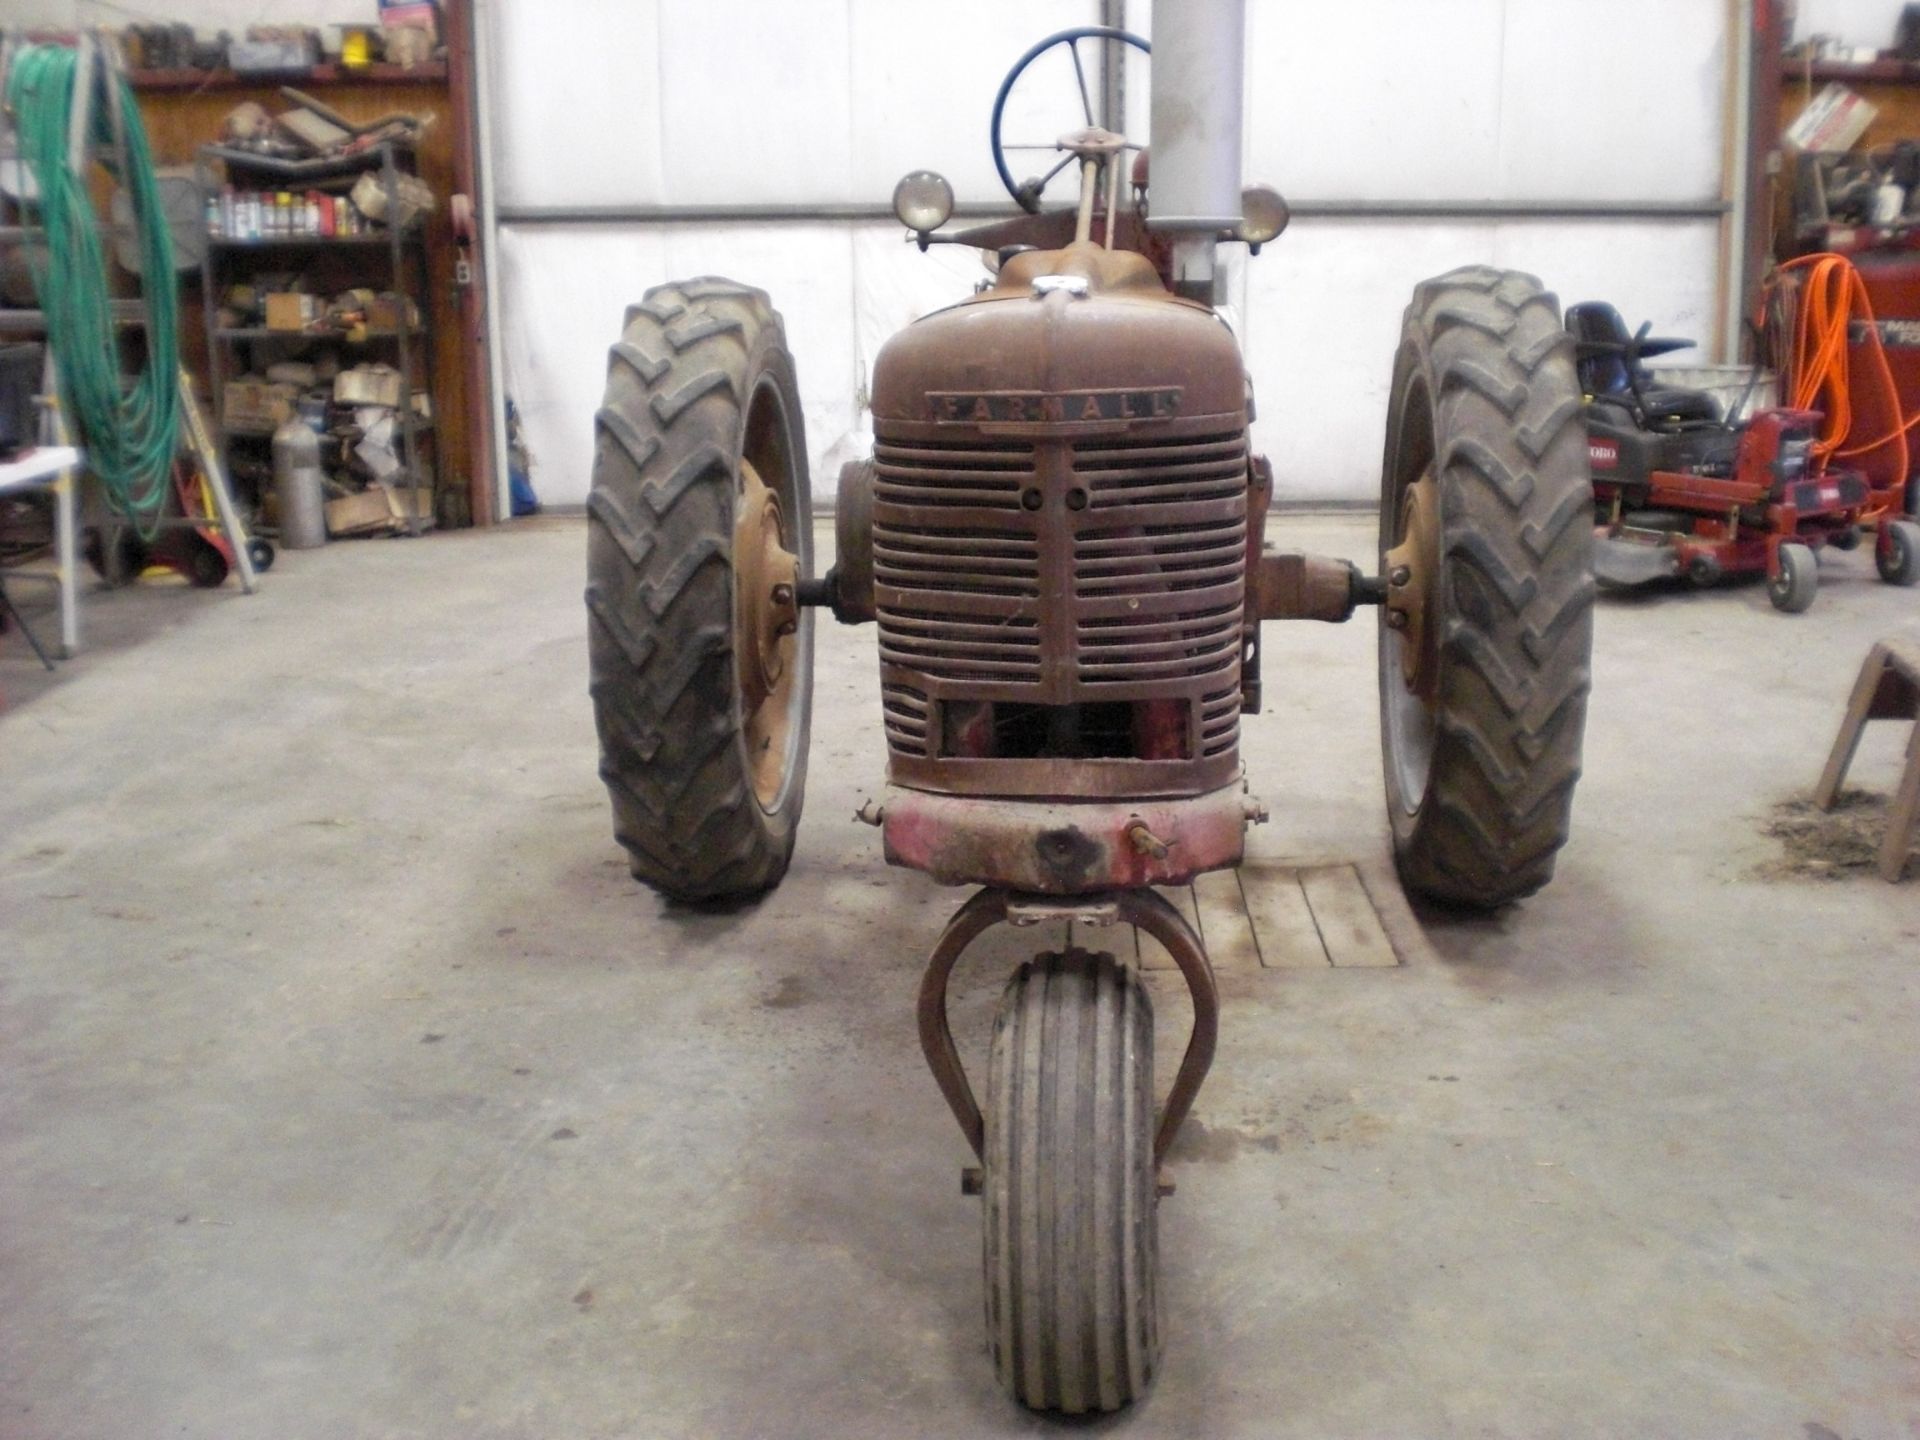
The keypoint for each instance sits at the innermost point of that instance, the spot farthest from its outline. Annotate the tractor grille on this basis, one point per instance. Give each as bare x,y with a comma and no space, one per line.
961,560
1159,559
1056,572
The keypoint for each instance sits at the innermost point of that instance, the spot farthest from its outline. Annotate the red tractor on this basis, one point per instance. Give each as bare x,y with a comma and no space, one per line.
1059,539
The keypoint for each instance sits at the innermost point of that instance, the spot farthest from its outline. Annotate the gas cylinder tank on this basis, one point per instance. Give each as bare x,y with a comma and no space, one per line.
1060,536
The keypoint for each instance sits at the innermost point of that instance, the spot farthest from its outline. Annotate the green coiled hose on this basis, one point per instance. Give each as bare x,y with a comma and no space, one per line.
130,431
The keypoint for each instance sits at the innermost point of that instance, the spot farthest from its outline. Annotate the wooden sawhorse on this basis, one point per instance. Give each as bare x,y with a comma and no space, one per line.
1888,689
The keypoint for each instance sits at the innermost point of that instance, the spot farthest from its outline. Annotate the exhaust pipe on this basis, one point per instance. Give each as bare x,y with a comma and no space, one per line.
1198,63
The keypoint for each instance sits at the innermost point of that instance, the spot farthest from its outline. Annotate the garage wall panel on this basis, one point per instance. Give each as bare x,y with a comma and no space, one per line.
1325,307
1323,321
563,293
754,102
577,106
662,102
923,80
1622,101
1375,99
565,290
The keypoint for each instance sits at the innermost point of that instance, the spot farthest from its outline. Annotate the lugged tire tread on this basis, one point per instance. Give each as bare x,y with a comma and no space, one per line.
1517,635
659,596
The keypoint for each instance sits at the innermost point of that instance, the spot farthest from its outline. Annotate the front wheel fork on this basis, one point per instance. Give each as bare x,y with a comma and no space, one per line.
1142,908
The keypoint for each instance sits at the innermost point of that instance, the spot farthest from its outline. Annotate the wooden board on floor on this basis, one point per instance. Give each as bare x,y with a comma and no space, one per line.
1226,929
1282,919
1349,926
1266,916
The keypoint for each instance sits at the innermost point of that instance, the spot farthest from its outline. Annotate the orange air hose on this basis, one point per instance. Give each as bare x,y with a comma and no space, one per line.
1819,375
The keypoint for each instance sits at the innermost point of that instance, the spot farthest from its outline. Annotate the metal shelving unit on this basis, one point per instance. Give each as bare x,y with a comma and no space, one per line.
404,249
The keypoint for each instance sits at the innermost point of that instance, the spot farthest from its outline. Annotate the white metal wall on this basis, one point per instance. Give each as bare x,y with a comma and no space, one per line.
704,102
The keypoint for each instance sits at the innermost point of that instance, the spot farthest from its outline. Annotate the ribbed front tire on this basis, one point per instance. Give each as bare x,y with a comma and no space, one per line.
1068,1187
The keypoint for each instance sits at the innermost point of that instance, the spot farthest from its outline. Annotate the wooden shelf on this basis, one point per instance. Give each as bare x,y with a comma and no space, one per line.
1876,72
409,236
432,73
337,337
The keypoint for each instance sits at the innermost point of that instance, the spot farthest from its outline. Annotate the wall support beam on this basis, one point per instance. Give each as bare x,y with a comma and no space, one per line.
804,214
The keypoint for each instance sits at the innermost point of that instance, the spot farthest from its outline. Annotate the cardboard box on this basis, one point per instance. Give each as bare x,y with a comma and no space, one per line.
384,313
257,407
369,385
411,199
415,14
376,510
1833,123
367,513
268,57
288,311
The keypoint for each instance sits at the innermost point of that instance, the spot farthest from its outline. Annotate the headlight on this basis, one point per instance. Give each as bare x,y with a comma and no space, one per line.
923,201
1263,214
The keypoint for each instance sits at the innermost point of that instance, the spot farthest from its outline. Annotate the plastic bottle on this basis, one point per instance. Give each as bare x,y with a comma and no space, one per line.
1889,203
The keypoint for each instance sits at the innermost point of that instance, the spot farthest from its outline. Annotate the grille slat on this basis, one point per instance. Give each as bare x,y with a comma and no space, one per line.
1160,566
1219,722
951,543
1151,574
907,561
948,497
905,713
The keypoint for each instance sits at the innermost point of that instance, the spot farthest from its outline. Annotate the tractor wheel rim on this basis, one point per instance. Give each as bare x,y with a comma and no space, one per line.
766,620
1411,655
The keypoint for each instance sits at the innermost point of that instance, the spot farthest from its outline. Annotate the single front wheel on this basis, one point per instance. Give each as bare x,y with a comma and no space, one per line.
1486,543
1068,1186
697,538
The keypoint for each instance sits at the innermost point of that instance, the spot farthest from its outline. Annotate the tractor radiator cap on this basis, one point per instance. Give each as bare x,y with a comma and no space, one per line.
1074,285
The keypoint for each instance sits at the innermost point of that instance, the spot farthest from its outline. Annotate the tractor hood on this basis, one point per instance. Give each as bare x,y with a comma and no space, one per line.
1078,336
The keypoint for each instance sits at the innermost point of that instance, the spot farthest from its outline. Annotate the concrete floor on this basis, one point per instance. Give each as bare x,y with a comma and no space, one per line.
348,1087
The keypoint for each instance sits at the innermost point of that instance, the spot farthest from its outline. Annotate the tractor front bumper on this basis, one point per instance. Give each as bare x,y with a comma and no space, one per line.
1064,847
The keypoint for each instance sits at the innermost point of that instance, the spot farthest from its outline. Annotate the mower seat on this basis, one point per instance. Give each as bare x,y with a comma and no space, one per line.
1608,359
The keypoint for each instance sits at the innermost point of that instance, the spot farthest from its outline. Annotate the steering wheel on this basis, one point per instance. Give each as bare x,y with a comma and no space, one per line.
1028,194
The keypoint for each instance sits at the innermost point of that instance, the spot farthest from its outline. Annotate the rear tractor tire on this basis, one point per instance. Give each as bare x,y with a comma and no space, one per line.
1068,1186
1486,534
697,537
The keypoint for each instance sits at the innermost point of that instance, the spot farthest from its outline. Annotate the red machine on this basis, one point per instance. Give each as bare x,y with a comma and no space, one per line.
1890,278
1682,491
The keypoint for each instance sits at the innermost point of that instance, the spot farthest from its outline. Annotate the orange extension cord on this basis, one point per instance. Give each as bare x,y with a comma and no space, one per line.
1818,374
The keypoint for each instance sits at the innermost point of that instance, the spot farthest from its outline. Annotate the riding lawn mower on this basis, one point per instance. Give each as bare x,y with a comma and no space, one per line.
1060,542
1684,491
